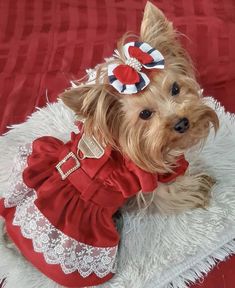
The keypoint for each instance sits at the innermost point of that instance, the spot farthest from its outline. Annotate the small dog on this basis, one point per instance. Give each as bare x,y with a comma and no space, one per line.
145,106
166,118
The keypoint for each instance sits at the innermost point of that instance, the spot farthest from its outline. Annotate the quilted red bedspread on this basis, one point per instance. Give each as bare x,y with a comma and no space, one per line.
46,43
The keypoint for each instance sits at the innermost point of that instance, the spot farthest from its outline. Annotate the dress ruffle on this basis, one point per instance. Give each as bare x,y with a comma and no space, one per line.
82,220
81,263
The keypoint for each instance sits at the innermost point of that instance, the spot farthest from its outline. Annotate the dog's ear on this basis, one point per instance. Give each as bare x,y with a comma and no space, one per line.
82,100
99,107
156,29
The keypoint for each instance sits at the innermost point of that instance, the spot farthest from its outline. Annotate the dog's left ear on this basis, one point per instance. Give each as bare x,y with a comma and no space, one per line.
156,29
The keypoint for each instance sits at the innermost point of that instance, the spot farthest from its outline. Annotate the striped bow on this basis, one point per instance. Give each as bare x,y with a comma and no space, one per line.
127,78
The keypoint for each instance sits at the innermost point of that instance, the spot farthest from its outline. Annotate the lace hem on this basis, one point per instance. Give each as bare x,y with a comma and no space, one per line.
56,247
17,189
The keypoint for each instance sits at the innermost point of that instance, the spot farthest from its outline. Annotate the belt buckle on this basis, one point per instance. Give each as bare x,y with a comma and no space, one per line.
67,157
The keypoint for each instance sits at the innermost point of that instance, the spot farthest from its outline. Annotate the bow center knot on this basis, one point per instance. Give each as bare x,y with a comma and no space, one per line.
134,63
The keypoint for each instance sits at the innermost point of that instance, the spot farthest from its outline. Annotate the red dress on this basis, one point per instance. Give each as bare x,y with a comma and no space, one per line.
59,210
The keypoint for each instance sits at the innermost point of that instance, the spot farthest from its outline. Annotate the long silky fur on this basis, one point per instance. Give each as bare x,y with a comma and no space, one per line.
114,119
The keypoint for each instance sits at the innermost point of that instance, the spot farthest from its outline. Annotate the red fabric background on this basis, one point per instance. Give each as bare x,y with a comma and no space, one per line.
45,43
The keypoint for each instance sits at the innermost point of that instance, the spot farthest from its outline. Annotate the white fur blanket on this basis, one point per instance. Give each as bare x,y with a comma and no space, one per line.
156,251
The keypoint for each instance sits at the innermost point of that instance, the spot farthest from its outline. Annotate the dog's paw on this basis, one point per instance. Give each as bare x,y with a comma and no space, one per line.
205,184
187,192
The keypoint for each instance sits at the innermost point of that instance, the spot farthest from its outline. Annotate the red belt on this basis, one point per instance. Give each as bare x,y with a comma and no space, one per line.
71,167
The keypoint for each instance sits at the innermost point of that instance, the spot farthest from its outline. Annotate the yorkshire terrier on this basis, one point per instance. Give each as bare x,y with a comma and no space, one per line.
146,107
155,125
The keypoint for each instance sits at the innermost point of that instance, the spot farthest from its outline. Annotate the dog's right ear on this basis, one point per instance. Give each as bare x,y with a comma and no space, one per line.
100,108
82,100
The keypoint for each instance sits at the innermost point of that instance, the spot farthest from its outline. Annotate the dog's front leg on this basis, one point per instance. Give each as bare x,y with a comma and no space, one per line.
186,192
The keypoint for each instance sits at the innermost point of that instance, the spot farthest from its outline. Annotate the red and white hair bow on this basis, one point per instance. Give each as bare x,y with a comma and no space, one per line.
127,78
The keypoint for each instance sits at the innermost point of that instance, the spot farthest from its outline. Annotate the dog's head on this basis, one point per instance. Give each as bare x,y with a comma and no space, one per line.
155,125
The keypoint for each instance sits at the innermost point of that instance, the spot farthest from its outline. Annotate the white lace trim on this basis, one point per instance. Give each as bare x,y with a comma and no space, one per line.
17,189
57,248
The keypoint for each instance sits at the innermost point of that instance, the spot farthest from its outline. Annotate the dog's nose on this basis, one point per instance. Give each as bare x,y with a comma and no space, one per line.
182,125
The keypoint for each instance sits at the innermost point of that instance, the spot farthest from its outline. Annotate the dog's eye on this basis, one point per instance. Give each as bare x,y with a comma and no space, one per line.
145,114
175,90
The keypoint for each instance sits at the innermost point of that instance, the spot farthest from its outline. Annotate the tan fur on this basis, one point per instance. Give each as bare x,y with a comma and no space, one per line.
187,192
152,144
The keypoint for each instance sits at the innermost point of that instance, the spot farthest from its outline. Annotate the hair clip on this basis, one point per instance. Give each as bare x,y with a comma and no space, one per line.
128,78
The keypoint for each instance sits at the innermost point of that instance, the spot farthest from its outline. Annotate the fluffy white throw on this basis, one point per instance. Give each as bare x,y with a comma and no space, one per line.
156,251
